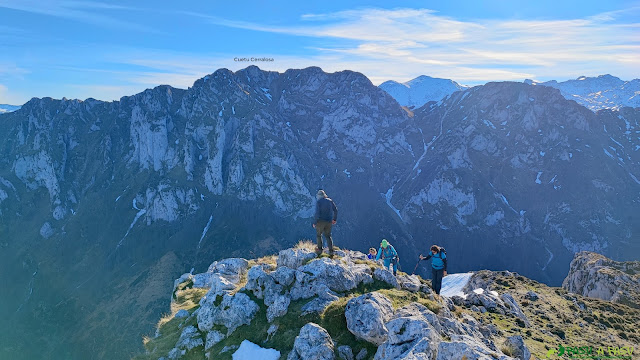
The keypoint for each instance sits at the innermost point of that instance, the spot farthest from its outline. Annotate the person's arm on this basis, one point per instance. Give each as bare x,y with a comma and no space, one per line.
395,253
335,212
444,260
426,257
379,253
317,215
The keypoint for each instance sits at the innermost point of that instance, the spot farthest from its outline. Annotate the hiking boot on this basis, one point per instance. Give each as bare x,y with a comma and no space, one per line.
318,251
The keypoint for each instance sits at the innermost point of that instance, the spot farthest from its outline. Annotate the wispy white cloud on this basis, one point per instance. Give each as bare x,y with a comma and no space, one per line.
421,41
90,12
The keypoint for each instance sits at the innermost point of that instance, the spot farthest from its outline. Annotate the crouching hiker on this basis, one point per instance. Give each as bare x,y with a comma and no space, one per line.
389,255
438,266
372,254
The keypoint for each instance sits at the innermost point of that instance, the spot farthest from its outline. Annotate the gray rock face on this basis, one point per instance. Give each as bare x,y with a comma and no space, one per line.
345,352
213,337
466,346
366,317
313,343
335,274
317,305
230,266
294,258
386,276
284,275
409,282
362,354
189,339
514,308
518,347
410,337
594,275
232,311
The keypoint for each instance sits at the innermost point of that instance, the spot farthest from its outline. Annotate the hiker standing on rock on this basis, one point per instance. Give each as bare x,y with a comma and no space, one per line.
438,266
326,216
389,255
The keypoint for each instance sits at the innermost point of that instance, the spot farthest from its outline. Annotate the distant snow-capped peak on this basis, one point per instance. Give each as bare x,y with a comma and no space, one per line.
596,93
8,108
419,91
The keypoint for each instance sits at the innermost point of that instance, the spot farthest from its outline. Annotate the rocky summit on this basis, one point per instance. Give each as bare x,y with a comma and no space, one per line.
103,203
299,306
594,275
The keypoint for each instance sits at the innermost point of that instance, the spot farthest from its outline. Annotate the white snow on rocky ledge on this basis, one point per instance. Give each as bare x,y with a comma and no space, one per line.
251,351
452,284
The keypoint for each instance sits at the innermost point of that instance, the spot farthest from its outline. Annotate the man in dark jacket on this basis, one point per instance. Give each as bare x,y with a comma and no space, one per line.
438,266
326,216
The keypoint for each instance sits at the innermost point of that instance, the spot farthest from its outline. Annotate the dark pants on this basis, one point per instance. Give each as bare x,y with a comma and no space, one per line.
324,227
436,279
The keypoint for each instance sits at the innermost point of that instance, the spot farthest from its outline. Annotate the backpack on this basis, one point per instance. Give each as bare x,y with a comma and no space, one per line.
442,250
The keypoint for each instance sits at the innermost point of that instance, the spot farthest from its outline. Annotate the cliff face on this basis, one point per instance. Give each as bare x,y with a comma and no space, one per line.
300,306
596,276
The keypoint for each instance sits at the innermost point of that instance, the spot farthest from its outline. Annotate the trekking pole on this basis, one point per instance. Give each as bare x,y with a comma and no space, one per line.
416,268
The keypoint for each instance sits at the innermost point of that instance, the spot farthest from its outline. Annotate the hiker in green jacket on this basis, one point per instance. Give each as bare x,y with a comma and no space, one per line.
389,255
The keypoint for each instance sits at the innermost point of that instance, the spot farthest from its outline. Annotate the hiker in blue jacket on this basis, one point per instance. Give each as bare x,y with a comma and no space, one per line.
438,266
389,255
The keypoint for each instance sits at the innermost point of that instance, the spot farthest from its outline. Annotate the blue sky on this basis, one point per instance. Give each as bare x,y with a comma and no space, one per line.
109,49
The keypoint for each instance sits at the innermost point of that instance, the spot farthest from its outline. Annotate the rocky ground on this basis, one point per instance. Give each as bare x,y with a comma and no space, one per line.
309,307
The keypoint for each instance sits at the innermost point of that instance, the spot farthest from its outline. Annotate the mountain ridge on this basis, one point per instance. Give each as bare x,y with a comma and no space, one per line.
169,178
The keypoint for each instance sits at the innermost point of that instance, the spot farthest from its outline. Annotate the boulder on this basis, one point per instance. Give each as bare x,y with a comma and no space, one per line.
258,280
466,347
362,354
182,313
189,339
294,258
232,312
409,282
363,273
345,352
518,348
532,296
366,317
184,277
417,309
515,309
284,276
313,343
411,334
317,305
334,273
386,276
278,307
213,337
232,266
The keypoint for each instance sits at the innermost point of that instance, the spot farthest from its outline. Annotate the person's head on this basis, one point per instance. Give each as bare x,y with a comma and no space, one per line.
373,251
435,249
321,194
384,243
